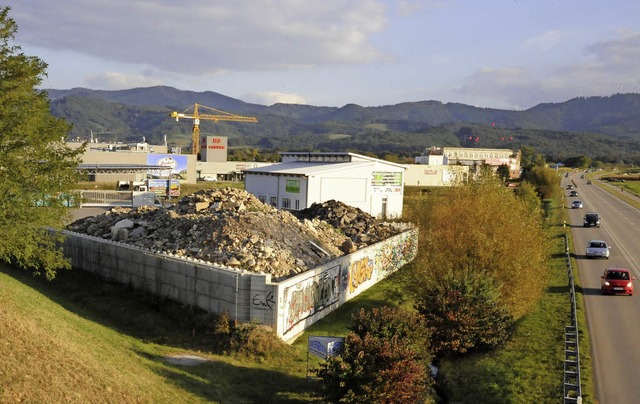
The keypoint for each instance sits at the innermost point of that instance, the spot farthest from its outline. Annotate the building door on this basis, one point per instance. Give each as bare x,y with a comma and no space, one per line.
383,211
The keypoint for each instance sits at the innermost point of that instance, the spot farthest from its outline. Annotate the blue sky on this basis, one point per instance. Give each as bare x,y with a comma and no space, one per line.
508,54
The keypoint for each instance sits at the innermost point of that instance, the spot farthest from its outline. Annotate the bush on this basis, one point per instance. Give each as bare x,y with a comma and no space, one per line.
378,362
463,312
482,227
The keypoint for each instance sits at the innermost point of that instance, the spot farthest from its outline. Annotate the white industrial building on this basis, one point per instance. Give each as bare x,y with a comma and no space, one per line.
303,178
445,166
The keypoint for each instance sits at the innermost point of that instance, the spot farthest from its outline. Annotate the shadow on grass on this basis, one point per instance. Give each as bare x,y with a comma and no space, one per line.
159,321
129,311
218,381
558,289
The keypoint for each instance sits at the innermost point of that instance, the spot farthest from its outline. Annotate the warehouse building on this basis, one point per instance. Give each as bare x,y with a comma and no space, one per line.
303,178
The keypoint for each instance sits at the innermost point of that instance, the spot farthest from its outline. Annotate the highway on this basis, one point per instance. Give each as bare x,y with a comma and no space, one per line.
613,321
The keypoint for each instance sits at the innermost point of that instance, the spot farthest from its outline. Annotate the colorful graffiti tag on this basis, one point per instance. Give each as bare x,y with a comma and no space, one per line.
385,260
360,272
311,296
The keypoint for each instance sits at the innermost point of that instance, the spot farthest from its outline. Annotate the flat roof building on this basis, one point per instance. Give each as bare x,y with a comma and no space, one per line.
303,178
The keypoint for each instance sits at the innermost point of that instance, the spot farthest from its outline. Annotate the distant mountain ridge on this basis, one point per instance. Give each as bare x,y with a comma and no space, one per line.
400,128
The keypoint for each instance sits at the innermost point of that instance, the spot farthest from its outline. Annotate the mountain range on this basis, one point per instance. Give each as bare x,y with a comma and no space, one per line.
603,128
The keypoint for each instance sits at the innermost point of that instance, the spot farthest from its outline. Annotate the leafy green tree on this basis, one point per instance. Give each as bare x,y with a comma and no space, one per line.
38,170
383,361
578,161
463,313
544,179
503,172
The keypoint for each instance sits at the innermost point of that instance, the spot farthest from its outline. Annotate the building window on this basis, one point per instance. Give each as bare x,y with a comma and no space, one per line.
273,201
297,204
286,203
262,198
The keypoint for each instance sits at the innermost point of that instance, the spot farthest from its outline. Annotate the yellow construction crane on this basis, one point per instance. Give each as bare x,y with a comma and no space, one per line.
197,116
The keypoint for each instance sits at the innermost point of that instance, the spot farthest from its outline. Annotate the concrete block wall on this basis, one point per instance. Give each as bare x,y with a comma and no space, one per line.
288,307
310,296
216,289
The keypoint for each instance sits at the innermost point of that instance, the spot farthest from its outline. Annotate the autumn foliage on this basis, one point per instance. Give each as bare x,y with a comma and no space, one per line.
384,360
463,313
481,228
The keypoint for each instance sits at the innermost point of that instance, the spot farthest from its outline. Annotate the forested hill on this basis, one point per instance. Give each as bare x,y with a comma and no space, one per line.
606,128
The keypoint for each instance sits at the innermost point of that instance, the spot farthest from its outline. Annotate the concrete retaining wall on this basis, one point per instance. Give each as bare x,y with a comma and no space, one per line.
288,306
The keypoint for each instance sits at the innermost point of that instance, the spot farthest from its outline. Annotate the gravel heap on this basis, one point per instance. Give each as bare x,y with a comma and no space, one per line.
230,226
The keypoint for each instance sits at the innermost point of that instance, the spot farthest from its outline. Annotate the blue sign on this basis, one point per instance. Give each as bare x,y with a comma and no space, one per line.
323,347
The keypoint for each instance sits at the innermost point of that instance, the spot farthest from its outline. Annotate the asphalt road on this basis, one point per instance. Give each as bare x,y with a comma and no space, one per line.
613,321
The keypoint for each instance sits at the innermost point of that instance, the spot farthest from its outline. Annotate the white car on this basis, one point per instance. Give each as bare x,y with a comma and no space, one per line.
597,249
576,204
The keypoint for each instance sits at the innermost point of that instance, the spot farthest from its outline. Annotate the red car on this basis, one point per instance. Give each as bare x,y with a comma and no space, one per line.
617,281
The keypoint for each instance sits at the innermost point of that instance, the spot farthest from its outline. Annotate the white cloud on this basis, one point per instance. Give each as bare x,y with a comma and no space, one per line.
623,50
274,97
119,81
608,67
193,37
546,40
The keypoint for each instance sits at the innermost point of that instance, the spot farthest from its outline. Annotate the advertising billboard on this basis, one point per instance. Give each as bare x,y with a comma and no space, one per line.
176,165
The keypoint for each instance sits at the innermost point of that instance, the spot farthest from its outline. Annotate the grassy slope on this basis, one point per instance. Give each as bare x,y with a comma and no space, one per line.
82,340
53,354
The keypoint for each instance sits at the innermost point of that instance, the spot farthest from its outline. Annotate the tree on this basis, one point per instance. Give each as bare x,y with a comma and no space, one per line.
463,313
528,194
544,179
481,227
503,172
38,170
581,161
384,360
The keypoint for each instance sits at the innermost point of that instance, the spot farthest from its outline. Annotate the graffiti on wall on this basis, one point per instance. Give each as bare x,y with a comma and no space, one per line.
310,296
392,256
360,272
383,261
264,300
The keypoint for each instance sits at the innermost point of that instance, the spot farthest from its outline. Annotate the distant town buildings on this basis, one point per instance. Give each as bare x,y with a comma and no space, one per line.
442,160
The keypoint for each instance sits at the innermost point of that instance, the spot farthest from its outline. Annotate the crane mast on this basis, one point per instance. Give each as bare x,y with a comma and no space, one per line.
196,116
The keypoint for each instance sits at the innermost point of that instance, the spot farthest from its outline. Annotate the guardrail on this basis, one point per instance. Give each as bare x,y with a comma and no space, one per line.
571,375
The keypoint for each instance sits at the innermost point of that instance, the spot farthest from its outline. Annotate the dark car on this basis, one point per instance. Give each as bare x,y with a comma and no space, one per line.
573,193
589,182
617,281
591,219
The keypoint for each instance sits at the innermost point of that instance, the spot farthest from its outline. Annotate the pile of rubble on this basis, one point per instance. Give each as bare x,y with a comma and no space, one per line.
231,227
361,228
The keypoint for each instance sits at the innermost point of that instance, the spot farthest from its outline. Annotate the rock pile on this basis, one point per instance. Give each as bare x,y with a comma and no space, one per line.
361,228
232,227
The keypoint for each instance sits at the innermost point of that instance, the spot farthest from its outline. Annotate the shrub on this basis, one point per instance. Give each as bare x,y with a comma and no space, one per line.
463,312
378,362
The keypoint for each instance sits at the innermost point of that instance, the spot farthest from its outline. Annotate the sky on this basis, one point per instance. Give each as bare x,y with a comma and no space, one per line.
506,54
